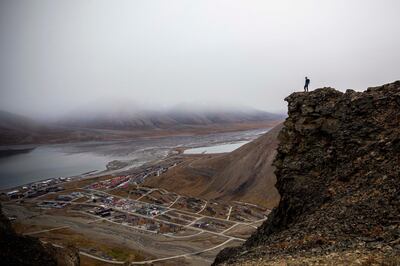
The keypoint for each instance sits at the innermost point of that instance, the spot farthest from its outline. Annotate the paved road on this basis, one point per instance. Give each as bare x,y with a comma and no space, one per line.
202,208
229,213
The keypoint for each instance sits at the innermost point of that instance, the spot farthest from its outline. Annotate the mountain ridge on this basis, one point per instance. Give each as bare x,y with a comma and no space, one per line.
16,129
148,119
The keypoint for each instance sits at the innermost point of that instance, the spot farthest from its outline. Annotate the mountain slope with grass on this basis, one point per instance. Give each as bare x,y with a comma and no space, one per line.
245,174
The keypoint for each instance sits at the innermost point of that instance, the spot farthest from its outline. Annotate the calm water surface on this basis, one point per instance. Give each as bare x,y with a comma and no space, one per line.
217,148
65,160
46,162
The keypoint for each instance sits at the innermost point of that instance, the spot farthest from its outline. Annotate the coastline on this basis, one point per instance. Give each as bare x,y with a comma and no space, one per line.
150,154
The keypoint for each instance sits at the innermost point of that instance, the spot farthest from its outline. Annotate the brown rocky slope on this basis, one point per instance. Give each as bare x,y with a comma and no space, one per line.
245,174
248,174
338,173
25,250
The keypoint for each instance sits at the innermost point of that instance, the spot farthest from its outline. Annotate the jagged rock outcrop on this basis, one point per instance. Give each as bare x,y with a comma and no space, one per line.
338,174
16,249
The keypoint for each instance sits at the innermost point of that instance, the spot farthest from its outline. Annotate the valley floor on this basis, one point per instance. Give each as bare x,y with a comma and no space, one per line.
114,220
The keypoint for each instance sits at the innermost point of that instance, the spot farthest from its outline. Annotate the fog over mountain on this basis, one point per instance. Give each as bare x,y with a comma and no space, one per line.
174,117
111,122
58,56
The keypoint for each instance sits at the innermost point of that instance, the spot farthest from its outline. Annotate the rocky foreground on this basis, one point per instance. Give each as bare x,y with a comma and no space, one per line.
338,173
16,249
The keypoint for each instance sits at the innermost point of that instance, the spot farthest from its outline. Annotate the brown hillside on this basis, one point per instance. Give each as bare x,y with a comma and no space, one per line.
16,249
245,174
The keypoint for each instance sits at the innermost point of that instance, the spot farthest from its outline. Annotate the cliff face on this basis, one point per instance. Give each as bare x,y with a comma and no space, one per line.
338,174
24,250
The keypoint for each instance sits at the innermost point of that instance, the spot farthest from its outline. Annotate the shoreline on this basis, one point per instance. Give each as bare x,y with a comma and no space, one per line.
178,150
104,135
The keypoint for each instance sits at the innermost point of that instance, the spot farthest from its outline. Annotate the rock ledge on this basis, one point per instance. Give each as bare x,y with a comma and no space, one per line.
338,173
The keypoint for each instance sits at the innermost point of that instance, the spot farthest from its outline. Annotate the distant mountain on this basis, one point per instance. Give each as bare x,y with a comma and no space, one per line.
17,123
113,125
174,118
16,128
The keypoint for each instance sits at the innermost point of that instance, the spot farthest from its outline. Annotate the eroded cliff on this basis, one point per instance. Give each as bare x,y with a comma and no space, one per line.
338,174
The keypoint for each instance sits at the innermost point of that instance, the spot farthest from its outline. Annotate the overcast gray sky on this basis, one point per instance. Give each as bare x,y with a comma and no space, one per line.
56,56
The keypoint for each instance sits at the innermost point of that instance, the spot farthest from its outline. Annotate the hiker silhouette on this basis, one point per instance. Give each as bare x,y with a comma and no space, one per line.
306,84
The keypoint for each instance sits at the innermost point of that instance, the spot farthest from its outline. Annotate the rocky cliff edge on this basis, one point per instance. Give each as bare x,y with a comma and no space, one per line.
338,174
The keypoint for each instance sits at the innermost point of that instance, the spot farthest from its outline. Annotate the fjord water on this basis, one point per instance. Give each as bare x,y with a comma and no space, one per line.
72,159
46,162
217,148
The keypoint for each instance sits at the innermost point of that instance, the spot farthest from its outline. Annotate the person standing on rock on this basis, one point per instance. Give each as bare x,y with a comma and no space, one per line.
306,84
